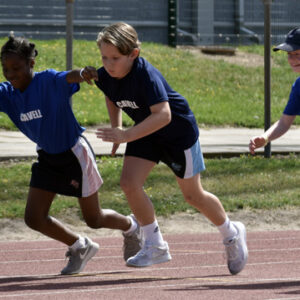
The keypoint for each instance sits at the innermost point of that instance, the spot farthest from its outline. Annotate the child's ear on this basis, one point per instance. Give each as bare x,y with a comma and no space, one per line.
31,63
135,53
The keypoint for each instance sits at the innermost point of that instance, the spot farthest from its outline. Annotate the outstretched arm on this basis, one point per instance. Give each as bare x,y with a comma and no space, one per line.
115,116
160,116
114,112
274,132
85,74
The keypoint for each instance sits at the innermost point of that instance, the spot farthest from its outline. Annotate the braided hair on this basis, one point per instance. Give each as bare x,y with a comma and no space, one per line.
19,46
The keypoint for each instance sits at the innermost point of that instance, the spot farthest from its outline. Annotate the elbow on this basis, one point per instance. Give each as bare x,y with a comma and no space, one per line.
162,114
167,118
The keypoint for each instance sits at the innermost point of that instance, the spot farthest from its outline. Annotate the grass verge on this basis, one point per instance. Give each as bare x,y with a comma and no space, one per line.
219,93
243,182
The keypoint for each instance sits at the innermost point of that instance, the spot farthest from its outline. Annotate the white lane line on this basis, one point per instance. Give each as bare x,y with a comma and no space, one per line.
175,252
293,298
50,249
277,239
152,269
118,246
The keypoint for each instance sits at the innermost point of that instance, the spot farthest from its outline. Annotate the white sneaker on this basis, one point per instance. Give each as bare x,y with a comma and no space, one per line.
79,257
236,249
149,255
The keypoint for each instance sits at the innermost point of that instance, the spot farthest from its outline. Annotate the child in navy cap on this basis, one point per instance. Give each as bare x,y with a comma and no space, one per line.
292,109
292,42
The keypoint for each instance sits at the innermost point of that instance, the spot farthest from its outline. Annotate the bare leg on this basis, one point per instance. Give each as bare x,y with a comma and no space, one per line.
95,217
205,202
37,218
134,174
154,249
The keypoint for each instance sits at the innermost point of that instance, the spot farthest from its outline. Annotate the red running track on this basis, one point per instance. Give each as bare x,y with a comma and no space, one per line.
198,270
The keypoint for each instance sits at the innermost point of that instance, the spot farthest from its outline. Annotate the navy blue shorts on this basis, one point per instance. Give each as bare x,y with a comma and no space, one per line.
71,173
184,163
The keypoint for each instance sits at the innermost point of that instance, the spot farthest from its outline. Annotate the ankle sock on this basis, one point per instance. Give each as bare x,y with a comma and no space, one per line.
227,229
152,234
132,227
80,243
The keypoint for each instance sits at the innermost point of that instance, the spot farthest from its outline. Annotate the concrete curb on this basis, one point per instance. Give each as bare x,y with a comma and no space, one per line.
215,142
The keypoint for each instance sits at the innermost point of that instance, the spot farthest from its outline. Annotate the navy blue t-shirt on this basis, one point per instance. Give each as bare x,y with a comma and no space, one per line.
43,112
293,106
143,87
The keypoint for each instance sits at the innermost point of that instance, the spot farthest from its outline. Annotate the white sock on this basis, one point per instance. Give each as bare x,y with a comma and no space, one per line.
132,227
80,243
227,229
152,234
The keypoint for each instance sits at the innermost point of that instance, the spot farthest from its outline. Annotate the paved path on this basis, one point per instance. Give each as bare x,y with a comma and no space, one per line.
227,141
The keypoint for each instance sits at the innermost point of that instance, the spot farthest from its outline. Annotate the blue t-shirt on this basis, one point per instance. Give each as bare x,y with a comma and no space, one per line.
43,111
293,106
143,87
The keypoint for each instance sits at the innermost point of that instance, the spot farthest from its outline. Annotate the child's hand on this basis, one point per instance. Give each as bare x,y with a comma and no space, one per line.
114,149
88,74
257,142
115,135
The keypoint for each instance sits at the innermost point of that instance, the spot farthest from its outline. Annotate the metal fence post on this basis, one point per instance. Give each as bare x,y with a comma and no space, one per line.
172,23
69,34
267,70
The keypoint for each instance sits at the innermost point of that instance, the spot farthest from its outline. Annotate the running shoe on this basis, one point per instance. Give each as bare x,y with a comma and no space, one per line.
236,249
132,243
79,257
149,255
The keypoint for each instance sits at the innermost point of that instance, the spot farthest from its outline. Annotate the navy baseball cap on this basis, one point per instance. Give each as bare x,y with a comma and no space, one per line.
292,41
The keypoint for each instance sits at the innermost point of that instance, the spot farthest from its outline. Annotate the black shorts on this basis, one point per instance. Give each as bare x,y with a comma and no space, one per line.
71,173
184,163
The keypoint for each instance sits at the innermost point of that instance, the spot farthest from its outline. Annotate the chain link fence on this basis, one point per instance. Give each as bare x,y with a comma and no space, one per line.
231,22
173,22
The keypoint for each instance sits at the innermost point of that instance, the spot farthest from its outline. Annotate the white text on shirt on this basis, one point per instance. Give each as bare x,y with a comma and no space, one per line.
34,114
127,103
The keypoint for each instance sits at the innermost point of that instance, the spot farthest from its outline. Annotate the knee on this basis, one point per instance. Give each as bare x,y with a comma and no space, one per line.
128,186
189,199
33,222
93,222
195,200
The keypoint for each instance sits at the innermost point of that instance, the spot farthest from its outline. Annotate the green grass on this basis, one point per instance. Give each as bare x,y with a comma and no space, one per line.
219,93
240,183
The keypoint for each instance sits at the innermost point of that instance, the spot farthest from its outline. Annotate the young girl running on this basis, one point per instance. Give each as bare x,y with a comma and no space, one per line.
39,105
165,130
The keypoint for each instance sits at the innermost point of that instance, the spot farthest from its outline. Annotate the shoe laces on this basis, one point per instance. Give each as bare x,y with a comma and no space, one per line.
145,248
69,255
232,249
130,240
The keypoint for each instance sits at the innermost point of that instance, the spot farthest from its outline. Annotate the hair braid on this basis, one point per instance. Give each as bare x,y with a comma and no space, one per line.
20,46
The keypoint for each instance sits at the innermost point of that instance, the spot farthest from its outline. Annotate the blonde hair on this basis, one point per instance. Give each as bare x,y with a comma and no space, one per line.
122,35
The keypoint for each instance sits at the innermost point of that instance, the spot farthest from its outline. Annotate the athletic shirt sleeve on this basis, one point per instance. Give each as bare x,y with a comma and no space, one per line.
102,79
59,80
153,85
5,92
43,111
146,83
293,106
